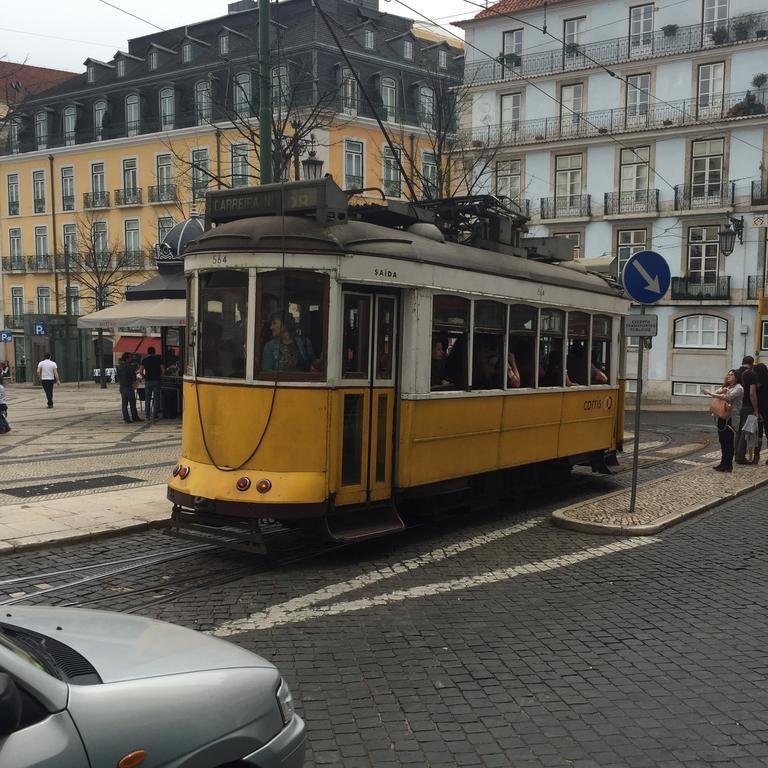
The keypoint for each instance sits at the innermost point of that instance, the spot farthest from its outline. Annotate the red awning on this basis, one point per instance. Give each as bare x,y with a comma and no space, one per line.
136,345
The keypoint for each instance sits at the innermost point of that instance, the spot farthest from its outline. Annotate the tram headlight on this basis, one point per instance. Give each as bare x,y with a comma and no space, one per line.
183,472
243,484
264,485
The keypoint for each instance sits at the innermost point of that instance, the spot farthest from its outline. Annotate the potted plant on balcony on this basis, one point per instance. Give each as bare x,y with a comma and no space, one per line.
509,59
742,26
749,105
719,35
759,81
572,49
670,30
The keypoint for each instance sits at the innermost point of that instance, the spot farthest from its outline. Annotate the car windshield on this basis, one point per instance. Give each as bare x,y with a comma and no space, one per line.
15,648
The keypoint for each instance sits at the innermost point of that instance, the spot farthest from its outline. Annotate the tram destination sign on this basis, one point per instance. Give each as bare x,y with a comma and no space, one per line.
321,198
641,325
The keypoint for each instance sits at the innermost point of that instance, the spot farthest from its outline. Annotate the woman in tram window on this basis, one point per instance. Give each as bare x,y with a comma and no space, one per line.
285,351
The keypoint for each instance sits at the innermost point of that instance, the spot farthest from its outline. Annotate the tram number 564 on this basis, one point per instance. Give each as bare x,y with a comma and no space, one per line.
219,260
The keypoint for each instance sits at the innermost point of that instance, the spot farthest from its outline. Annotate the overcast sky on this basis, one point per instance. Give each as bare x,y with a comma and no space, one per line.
62,33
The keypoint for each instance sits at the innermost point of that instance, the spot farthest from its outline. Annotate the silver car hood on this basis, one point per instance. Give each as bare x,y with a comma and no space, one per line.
123,647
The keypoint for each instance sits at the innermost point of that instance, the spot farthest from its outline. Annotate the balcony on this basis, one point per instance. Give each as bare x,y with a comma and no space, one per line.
13,207
756,284
40,263
692,197
14,322
39,205
130,196
392,188
685,39
93,200
656,116
760,192
688,288
353,182
68,203
163,193
14,264
199,190
566,206
638,201
130,259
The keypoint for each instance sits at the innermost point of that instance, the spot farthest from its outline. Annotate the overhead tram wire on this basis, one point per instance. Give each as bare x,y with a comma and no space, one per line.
542,91
133,15
602,66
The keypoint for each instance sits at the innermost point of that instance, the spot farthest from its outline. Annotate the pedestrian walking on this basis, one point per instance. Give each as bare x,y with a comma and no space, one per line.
3,408
126,378
761,370
48,373
152,369
726,407
749,407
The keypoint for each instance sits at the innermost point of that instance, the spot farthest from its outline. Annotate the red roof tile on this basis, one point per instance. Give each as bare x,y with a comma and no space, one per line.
31,80
510,6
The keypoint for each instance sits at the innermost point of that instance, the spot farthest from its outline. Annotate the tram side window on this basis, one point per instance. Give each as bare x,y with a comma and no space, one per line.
551,348
223,323
291,336
357,334
577,359
521,356
600,370
450,328
488,345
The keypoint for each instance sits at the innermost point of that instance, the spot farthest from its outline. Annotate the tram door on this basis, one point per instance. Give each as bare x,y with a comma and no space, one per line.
366,397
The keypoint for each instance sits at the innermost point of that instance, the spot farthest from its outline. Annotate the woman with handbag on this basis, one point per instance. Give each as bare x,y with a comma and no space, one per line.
726,407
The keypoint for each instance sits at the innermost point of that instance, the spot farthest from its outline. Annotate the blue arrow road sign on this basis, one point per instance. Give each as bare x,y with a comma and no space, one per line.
646,277
6,336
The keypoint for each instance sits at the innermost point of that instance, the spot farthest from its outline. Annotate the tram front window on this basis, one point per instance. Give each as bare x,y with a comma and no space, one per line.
223,323
292,325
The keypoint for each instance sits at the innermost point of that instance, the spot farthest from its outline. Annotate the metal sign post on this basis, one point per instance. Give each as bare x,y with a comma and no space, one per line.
646,279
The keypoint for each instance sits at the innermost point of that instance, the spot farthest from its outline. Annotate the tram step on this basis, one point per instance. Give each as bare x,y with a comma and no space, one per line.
364,523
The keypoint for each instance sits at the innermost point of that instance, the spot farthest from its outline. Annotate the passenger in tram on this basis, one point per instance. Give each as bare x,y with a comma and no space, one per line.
455,370
286,351
552,375
437,378
576,365
597,374
513,373
486,370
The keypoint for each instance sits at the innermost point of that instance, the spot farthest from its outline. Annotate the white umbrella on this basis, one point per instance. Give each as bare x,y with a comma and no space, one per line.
137,314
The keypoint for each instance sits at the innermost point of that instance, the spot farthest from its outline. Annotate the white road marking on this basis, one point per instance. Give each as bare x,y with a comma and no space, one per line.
677,449
692,463
305,608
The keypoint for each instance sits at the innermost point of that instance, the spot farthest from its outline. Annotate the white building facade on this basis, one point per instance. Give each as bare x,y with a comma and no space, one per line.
630,126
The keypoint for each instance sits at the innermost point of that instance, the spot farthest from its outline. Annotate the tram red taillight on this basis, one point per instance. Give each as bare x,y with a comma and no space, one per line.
183,472
243,484
263,485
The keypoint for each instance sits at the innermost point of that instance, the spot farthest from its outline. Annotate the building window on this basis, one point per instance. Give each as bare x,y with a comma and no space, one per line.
442,59
693,388
408,49
568,180
353,164
68,188
152,60
510,112
41,129
391,173
633,179
512,44
73,294
714,15
575,238
121,67
164,171
38,191
241,94
369,39
130,181
200,172
98,185
70,120
349,93
164,225
69,232
99,111
41,242
167,109
132,242
638,90
90,74
429,175
701,332
281,88
628,243
43,300
132,115
707,172
571,103
203,102
640,28
389,98
15,129
764,335
17,303
508,179
14,248
426,105
572,29
710,89
239,158
703,254
13,194
186,53
223,44
99,235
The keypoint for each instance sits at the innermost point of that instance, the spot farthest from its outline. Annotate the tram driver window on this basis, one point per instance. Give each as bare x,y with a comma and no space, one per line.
488,345
600,371
551,348
223,323
450,328
577,359
521,355
291,334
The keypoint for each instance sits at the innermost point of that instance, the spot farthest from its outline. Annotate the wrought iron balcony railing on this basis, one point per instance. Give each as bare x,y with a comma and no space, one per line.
163,193
14,322
663,42
353,182
760,192
96,200
689,197
655,116
13,207
392,188
240,180
692,288
566,206
129,196
755,284
68,203
130,259
39,204
14,264
638,201
40,263
199,190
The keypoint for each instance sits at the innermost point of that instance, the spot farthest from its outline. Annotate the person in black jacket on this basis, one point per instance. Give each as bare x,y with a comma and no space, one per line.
126,376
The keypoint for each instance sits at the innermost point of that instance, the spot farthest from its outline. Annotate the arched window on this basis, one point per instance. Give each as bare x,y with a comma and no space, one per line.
132,115
349,95
281,87
99,111
426,105
41,129
167,109
389,98
701,332
203,103
70,118
242,94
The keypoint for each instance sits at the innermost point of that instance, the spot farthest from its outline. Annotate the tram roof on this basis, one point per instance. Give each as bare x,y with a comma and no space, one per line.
297,234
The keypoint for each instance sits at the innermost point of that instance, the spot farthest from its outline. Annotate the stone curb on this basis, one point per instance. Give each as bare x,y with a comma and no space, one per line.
561,519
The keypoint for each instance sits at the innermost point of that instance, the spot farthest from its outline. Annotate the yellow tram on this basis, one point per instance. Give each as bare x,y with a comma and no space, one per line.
346,362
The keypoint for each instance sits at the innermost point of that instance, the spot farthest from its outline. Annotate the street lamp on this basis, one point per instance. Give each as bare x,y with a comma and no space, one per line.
727,236
312,168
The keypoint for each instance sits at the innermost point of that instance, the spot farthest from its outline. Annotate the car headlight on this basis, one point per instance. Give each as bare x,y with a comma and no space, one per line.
285,702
